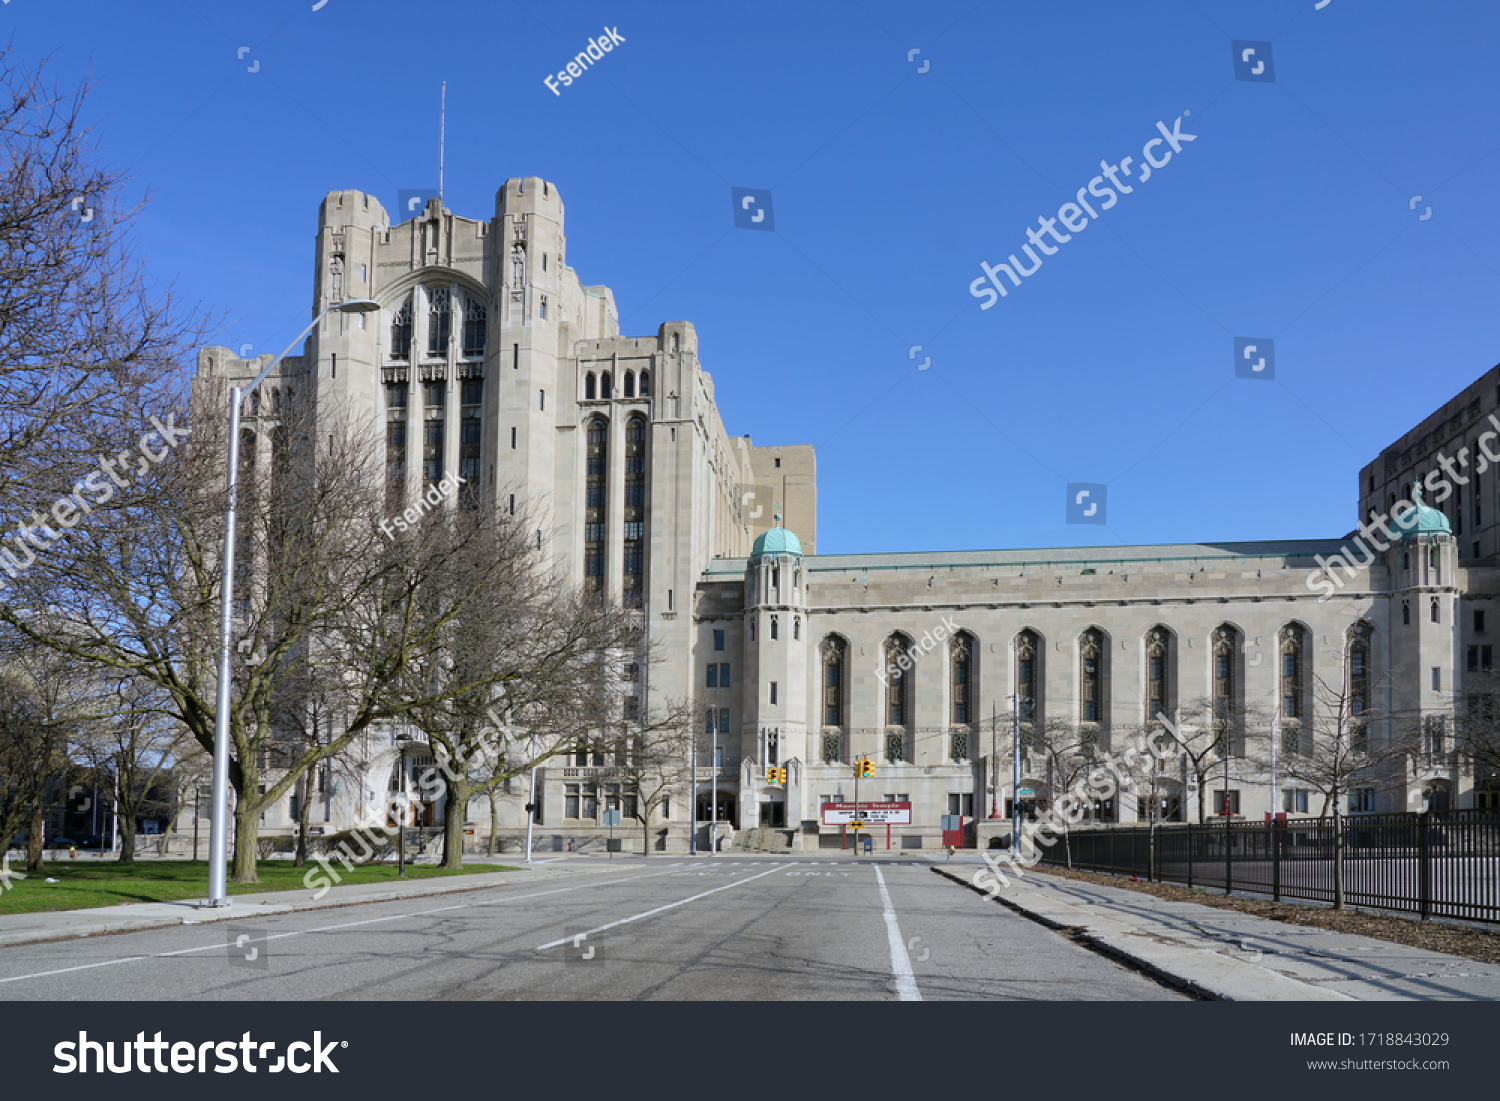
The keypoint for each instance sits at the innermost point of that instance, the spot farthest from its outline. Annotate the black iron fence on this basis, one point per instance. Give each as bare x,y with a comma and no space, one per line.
1444,864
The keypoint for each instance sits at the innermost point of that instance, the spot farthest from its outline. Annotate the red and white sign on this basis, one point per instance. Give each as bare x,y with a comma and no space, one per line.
875,814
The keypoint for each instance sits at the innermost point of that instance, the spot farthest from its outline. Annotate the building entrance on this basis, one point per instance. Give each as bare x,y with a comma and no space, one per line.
773,814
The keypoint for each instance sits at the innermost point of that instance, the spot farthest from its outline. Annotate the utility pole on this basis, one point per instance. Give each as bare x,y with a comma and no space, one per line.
693,803
713,763
995,761
1015,776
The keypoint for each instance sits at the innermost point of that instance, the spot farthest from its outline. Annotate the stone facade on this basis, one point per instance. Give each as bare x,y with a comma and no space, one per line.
498,363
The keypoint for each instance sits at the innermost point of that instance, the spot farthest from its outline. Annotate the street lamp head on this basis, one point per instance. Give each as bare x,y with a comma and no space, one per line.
358,305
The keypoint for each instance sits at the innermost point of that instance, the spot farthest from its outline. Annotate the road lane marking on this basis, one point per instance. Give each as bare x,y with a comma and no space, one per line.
659,909
218,946
906,982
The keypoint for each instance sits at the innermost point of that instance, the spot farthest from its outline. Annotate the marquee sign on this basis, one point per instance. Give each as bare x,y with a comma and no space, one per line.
874,814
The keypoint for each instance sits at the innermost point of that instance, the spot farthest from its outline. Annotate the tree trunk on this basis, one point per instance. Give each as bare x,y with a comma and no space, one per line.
304,817
246,834
127,838
489,849
455,802
646,832
34,837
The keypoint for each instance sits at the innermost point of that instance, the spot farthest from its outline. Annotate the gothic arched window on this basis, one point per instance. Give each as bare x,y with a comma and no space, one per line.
1359,667
439,320
635,511
595,493
588,386
961,681
1028,674
629,384
604,386
1227,709
645,384
1159,687
834,654
774,633
1091,654
1292,671
898,667
401,331
475,326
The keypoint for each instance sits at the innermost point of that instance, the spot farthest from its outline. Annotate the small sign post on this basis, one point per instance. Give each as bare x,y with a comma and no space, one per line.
611,819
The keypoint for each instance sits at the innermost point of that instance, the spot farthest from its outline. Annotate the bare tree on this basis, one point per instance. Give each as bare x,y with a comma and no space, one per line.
132,738
657,760
83,334
1063,752
1338,746
39,708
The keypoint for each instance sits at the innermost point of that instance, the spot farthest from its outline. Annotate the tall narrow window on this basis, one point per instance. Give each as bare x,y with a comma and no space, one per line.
1227,711
960,654
434,397
635,511
897,688
401,331
472,403
1028,675
604,386
1359,667
630,384
645,384
833,685
439,320
475,326
595,491
1291,672
395,442
1091,675
588,386
1158,672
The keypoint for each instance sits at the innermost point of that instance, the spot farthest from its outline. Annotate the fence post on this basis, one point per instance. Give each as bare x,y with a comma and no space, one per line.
1275,859
1190,856
1228,859
1425,864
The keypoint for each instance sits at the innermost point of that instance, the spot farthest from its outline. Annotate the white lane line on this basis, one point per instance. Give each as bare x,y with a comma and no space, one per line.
906,982
658,910
321,928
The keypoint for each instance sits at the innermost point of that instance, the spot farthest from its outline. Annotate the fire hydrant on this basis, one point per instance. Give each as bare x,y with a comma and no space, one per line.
72,852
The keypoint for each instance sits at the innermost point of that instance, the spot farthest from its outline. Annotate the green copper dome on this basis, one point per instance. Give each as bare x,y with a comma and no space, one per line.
1420,519
776,541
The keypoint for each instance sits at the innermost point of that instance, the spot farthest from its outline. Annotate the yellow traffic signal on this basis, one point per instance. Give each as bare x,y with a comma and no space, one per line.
866,768
770,774
781,776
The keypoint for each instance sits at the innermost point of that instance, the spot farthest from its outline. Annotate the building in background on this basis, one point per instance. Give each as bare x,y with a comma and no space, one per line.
492,359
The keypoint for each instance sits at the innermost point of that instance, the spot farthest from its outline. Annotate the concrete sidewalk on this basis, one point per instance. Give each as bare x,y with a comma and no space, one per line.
17,929
1226,955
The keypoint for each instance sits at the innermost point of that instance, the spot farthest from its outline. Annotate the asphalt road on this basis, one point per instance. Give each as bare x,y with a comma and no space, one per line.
721,929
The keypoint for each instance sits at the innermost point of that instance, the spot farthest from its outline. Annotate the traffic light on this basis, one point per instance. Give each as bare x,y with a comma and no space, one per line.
866,768
781,776
771,774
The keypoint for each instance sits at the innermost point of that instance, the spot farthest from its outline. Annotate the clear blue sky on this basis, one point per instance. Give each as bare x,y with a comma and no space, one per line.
1289,217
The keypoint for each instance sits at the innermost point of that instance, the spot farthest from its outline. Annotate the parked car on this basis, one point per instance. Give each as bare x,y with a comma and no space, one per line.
63,843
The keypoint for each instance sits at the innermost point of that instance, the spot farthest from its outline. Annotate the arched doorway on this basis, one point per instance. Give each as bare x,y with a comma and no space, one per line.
1437,795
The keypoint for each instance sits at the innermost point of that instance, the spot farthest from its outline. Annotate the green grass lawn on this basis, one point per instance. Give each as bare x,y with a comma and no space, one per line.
84,886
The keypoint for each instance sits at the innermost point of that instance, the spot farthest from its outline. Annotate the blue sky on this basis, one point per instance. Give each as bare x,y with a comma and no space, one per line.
1289,217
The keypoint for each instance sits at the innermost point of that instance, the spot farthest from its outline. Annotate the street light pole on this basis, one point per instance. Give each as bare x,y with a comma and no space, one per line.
995,761
1015,776
713,763
531,799
693,803
218,826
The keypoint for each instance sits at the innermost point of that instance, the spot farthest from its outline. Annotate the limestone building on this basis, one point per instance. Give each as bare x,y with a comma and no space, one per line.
493,359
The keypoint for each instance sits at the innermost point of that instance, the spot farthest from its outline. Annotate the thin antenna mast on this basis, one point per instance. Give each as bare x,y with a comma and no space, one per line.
442,136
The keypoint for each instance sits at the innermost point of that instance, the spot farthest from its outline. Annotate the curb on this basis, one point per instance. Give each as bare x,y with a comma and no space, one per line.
1170,962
